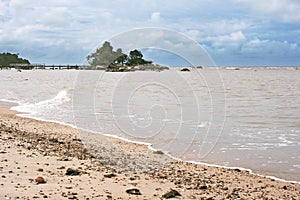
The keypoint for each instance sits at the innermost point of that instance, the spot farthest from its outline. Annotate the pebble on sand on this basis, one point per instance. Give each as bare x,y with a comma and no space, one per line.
171,194
40,180
109,175
134,191
72,172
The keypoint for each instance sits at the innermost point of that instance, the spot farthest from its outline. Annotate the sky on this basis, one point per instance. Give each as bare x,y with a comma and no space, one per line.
232,32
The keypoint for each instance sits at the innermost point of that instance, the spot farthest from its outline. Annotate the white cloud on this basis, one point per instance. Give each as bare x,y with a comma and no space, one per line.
155,16
225,26
257,42
271,48
56,17
2,8
232,39
287,10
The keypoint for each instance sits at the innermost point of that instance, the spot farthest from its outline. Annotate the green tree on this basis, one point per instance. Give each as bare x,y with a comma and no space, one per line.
9,59
106,56
121,57
136,58
103,56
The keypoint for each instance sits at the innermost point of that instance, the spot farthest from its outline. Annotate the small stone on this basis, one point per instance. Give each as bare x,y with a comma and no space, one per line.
62,159
237,170
40,170
72,172
171,194
158,152
285,187
64,194
109,175
40,180
203,187
133,191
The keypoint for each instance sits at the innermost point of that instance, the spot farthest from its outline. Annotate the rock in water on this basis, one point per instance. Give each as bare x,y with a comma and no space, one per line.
40,180
185,70
72,172
134,191
171,194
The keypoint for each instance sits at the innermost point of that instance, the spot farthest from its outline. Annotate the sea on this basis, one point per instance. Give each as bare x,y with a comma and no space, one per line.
247,117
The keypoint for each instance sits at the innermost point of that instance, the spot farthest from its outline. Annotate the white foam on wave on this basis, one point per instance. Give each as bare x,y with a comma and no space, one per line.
33,108
61,98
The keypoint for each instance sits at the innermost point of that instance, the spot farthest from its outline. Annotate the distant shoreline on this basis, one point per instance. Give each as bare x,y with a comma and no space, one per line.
80,67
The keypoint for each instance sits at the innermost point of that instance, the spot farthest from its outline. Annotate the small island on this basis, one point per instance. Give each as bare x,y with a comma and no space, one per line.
117,61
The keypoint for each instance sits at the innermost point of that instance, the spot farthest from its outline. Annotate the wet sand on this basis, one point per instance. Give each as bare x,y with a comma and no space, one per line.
48,160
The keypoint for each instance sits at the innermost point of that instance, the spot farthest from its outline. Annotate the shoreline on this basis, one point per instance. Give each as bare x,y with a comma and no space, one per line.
149,146
10,105
24,136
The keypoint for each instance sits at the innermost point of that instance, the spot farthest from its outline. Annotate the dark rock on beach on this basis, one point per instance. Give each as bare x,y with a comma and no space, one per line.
110,175
158,152
72,172
203,187
134,191
237,170
171,194
40,180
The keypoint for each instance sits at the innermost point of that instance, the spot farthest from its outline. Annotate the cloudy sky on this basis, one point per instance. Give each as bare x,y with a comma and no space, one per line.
233,32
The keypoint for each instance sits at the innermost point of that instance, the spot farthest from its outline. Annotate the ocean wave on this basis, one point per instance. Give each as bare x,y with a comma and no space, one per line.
32,108
61,98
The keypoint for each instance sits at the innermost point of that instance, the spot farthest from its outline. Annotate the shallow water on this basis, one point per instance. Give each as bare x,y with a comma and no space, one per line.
242,118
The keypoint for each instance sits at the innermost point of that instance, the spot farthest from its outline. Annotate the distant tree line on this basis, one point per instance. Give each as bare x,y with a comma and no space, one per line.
105,56
9,60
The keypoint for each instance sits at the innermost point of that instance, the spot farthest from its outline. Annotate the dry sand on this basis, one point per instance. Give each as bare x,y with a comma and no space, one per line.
104,168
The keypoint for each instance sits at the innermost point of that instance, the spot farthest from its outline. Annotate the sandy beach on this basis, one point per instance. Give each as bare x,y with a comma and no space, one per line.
47,160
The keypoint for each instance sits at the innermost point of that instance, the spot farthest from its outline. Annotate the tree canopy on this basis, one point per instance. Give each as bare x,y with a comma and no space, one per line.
9,59
136,58
106,56
103,56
